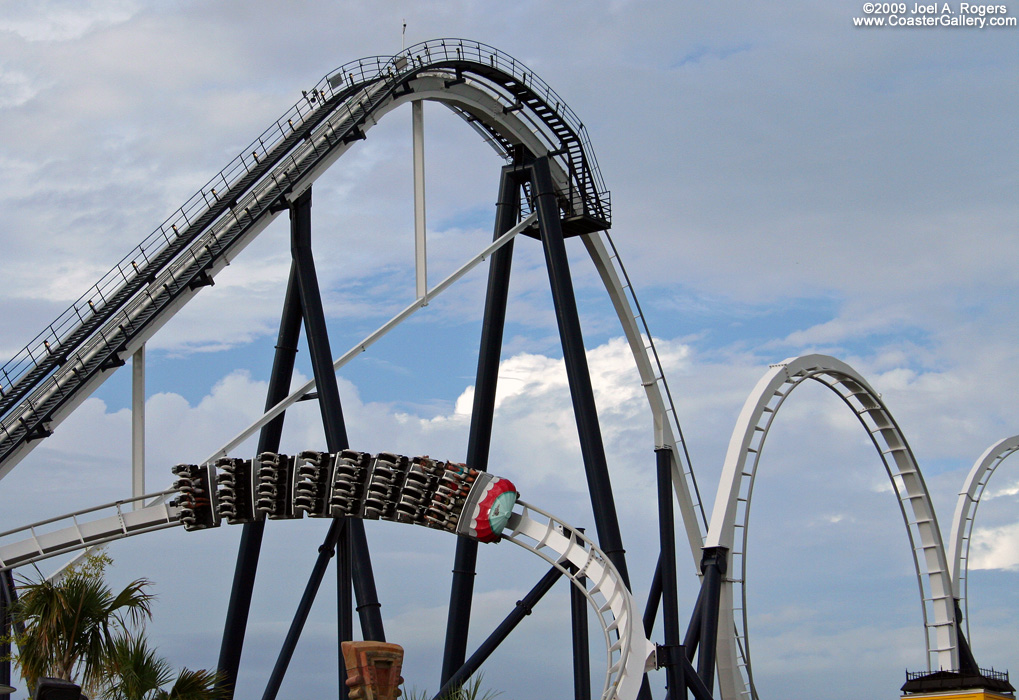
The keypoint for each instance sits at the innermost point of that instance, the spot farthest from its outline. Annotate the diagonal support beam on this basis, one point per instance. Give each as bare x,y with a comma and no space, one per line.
575,357
251,535
522,610
347,533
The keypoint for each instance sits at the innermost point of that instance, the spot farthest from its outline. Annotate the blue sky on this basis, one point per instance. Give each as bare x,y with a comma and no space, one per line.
782,183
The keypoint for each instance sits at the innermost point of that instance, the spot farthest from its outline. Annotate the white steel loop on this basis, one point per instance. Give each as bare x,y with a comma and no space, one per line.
965,515
732,509
628,651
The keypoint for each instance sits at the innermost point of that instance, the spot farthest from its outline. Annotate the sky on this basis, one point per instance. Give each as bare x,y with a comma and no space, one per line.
782,182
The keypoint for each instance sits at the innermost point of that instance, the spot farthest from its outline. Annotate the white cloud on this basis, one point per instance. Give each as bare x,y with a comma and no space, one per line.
63,20
995,548
16,88
1010,489
805,162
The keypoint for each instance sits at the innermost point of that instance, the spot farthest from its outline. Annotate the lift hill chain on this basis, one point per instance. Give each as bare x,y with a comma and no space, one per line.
423,491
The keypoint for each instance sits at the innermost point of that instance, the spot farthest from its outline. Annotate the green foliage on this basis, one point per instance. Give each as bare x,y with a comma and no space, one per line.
471,690
70,623
77,629
136,673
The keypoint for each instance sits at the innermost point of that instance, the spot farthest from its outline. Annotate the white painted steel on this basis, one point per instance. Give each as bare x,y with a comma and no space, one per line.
138,425
652,378
469,98
84,528
732,508
420,235
370,340
965,515
628,652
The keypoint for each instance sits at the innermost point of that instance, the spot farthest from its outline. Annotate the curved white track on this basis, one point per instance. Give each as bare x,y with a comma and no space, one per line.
628,652
966,513
732,508
477,102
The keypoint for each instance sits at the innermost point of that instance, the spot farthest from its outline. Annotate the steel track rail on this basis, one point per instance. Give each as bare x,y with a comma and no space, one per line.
628,652
732,509
77,352
965,515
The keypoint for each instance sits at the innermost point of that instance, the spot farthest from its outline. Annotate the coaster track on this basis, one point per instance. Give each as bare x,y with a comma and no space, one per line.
628,652
731,512
507,103
965,515
515,112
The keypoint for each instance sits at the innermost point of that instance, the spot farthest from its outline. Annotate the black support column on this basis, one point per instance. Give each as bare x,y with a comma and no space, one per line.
575,356
480,439
336,440
713,567
674,676
251,534
581,640
522,610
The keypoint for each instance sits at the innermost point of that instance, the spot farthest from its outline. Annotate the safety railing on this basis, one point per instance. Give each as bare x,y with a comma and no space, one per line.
85,528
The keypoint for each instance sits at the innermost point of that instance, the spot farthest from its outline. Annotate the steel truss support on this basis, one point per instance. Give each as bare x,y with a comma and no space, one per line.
480,439
351,529
538,173
8,596
702,633
575,357
369,608
967,662
251,535
667,567
522,609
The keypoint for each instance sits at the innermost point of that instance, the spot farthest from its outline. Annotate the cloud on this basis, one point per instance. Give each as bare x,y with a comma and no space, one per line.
64,20
801,187
995,548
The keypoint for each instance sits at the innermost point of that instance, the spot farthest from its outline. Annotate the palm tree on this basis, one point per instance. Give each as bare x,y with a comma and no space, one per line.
136,673
70,624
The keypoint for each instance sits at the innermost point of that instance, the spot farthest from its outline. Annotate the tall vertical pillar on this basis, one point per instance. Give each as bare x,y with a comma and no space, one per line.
352,529
420,230
482,415
251,533
667,559
138,425
575,357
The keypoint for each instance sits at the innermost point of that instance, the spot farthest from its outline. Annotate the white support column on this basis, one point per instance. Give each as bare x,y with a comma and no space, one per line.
138,425
420,255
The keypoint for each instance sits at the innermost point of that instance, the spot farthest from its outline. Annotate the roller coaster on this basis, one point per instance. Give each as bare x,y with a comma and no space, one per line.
550,189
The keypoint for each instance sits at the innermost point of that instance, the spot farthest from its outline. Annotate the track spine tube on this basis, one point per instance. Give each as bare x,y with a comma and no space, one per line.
251,534
522,609
482,414
575,358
